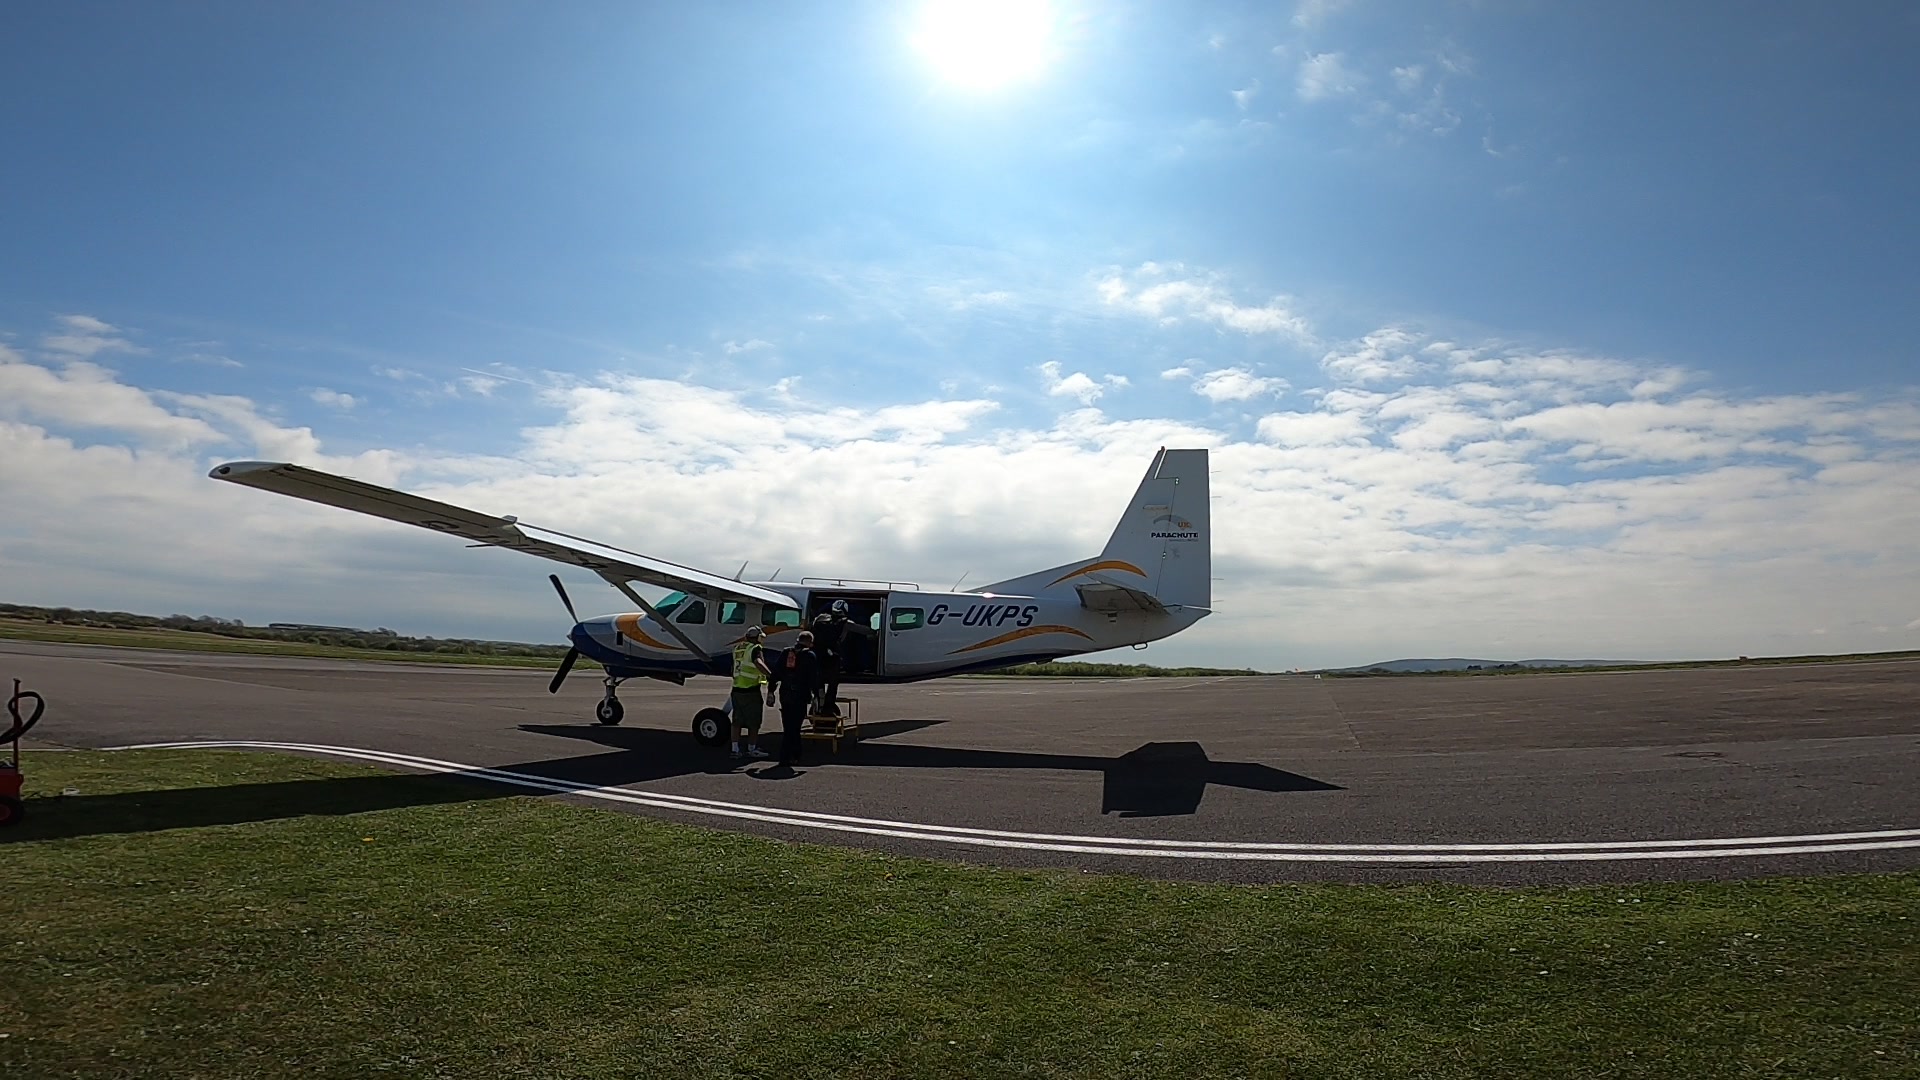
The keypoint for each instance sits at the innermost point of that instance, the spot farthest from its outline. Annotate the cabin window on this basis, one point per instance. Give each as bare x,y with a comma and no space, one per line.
907,618
694,611
785,616
732,613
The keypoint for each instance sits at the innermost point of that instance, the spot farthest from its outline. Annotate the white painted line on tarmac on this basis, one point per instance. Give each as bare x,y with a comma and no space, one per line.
1717,848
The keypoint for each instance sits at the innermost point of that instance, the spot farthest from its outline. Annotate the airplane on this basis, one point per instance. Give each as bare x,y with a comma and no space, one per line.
1152,580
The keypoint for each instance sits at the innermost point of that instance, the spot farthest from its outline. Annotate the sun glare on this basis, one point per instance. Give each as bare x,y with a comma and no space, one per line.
985,44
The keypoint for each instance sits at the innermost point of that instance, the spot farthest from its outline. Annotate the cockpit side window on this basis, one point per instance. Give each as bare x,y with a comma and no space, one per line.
694,611
672,600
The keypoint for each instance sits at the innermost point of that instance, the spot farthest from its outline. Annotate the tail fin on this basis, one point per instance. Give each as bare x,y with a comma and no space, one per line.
1160,555
1165,534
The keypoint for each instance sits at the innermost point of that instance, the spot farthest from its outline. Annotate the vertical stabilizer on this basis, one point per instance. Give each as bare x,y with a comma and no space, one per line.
1164,535
1162,547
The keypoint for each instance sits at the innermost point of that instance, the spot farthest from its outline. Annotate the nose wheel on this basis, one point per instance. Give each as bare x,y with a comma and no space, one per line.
610,711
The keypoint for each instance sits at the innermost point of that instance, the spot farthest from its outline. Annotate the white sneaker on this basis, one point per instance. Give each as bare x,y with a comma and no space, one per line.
756,752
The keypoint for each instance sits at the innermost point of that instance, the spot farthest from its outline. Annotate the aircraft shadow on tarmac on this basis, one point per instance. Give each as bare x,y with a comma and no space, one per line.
1157,779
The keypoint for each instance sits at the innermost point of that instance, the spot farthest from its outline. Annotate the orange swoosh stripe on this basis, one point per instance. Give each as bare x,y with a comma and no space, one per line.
1108,564
1016,635
630,626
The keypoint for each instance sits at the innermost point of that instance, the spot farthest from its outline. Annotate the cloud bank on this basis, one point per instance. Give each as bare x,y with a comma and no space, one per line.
1427,496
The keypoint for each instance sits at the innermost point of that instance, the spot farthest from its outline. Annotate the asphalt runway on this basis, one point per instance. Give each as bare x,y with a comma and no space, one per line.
1693,774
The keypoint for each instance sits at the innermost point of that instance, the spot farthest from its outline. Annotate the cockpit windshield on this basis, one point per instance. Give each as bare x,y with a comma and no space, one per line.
672,600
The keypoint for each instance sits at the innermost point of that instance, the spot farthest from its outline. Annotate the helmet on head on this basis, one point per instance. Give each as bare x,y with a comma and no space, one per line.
839,609
755,633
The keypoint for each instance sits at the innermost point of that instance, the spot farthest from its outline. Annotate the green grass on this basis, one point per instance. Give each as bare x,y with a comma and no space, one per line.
1656,665
190,641
230,915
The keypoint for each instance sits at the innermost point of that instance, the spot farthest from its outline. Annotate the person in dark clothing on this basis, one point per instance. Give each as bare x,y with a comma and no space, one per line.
796,678
830,643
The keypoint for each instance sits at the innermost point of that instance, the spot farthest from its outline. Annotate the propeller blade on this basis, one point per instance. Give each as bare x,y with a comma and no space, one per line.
566,665
562,590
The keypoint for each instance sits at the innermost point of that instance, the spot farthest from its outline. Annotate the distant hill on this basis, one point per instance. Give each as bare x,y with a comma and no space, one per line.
1458,663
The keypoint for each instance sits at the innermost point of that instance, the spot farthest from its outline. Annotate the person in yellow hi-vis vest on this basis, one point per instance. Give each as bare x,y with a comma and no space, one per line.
749,692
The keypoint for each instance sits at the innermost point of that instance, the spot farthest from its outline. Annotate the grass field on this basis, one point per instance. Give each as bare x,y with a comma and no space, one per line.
189,641
230,915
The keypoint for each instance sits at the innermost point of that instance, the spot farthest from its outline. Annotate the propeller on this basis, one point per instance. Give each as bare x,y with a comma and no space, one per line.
566,662
566,665
562,590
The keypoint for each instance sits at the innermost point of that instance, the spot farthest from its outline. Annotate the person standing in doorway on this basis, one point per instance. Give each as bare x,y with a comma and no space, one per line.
750,674
830,644
797,677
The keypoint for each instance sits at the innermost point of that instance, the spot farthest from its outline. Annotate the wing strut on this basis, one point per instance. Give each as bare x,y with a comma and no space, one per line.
678,634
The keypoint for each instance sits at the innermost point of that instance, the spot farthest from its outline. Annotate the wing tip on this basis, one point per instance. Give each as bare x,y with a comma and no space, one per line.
233,470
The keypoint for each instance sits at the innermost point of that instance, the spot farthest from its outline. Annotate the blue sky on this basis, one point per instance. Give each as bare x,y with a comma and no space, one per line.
1484,306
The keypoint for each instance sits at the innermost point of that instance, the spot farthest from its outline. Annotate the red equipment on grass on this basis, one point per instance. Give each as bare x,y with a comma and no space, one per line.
11,808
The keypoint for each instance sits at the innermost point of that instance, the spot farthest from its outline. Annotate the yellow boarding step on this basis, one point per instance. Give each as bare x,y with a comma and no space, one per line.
834,728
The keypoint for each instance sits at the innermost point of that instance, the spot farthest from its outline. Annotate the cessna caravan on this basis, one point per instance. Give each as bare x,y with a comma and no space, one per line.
1152,580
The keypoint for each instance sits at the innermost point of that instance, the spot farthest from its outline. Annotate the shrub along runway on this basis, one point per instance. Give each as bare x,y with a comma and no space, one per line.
1705,773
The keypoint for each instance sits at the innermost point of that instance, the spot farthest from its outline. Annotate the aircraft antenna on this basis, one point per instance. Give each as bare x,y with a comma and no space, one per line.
956,585
742,570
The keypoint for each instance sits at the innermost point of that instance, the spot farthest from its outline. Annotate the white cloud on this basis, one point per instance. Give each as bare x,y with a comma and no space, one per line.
1244,96
1326,75
734,348
84,337
478,385
87,324
1312,429
1181,372
1236,384
1462,496
1431,114
85,396
397,374
1408,79
209,359
1154,290
1309,14
1382,356
1076,385
961,298
333,399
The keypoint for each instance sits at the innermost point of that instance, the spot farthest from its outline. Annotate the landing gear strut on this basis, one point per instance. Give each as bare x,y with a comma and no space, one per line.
610,711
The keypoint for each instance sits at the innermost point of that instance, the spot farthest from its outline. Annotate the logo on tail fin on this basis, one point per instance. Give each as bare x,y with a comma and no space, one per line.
1172,527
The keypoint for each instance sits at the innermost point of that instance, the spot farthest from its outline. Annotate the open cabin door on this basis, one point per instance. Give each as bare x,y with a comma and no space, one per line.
863,647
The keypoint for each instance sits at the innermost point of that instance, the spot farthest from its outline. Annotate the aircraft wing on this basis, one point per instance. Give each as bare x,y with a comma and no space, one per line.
614,564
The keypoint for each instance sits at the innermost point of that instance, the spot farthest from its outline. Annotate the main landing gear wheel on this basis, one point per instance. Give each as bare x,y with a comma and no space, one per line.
711,727
609,711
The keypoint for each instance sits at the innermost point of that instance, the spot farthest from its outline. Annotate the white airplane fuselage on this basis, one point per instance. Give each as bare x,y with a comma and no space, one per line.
894,635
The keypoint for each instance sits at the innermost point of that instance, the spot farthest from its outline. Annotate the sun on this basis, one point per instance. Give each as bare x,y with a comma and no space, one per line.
985,44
